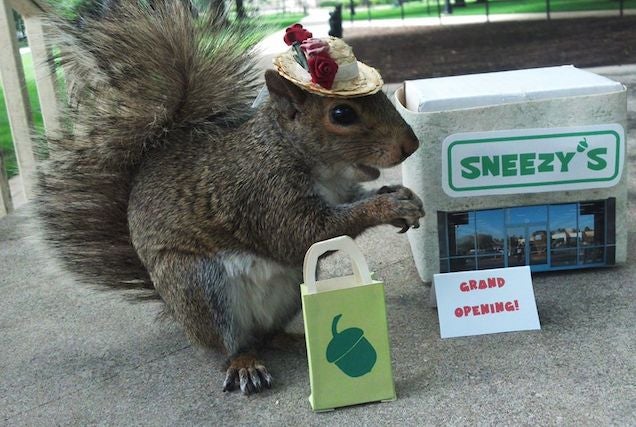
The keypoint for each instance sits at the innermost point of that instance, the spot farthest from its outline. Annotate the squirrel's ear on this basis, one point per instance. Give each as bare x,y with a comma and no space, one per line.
287,95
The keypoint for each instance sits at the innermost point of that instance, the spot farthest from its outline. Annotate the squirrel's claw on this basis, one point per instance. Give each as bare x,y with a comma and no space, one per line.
405,227
264,375
230,379
248,374
408,207
411,208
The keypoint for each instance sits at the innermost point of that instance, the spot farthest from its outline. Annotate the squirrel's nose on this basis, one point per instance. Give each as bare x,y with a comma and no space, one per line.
410,144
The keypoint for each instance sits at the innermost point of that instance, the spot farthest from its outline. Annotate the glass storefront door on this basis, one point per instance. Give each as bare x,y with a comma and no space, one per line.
537,236
527,245
527,236
516,253
563,235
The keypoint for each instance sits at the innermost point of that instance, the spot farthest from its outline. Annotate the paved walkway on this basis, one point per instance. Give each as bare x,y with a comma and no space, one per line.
73,355
317,22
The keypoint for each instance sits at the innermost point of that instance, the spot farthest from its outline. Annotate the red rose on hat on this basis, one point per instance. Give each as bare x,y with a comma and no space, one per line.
296,33
323,70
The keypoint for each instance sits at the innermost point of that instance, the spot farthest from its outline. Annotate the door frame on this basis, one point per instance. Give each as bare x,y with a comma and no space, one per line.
526,226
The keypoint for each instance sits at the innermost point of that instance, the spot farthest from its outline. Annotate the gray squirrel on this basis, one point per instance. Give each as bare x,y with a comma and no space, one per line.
171,186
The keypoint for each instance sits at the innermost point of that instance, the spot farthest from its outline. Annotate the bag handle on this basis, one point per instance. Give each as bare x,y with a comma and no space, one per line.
344,244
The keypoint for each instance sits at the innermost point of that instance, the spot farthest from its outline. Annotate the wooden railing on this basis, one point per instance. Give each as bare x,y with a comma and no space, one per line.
15,92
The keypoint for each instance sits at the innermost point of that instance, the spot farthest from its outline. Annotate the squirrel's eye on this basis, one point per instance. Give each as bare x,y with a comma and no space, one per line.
343,115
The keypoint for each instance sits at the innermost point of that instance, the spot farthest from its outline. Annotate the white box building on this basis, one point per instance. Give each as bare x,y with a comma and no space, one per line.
518,168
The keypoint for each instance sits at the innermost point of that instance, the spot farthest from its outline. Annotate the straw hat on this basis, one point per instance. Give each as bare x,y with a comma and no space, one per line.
352,79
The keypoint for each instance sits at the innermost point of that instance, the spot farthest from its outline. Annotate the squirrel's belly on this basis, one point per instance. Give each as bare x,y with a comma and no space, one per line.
264,294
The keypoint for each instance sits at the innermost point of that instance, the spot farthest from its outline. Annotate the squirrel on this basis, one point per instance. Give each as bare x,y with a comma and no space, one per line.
167,183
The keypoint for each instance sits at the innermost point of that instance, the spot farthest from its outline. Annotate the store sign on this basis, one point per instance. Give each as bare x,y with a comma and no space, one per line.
532,160
485,302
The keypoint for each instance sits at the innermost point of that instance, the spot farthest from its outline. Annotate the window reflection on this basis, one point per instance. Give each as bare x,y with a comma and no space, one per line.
546,236
516,246
563,257
462,264
592,255
461,233
592,223
487,262
490,231
490,239
538,240
563,226
527,214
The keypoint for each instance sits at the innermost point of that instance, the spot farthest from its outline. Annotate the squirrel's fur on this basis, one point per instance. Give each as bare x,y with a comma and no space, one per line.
135,88
168,181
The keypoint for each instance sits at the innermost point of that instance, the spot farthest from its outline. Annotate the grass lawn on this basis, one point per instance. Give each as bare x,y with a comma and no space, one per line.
426,8
279,21
6,142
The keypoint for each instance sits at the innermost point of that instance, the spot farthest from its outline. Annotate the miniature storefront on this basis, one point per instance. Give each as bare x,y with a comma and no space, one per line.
518,168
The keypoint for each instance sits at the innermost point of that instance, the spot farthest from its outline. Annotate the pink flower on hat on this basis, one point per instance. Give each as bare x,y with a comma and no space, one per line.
296,33
314,46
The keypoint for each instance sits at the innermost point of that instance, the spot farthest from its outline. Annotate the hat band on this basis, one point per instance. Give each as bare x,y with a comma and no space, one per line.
345,72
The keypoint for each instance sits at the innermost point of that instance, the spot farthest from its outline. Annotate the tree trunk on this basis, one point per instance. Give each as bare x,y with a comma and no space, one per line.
240,9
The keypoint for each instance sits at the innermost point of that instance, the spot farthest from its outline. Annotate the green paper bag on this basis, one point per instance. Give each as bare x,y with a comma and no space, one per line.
346,332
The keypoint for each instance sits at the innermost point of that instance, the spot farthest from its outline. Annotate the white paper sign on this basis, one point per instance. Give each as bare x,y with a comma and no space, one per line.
485,302
532,160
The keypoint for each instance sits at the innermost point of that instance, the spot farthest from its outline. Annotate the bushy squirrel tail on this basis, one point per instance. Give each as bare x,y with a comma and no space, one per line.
144,76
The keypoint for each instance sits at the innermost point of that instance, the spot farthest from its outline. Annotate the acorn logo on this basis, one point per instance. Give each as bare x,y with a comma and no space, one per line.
350,350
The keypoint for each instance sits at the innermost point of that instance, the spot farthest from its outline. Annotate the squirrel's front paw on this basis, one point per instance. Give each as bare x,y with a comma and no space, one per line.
405,192
248,373
406,207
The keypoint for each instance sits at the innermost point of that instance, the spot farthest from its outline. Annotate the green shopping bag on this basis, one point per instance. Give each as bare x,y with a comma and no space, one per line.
346,332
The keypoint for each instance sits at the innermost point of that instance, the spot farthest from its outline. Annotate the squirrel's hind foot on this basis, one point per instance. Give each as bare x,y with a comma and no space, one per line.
248,373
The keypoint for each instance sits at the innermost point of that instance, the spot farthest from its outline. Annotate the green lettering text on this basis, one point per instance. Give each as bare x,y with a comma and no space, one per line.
546,162
596,162
508,164
490,165
470,171
526,163
565,159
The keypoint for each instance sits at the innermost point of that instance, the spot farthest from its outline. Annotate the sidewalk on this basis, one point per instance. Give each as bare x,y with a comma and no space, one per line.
317,20
71,355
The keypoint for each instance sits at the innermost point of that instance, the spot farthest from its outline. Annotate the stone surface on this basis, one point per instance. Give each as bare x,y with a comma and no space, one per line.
74,355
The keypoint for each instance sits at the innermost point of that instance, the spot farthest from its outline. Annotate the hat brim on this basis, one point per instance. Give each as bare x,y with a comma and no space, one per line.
368,81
